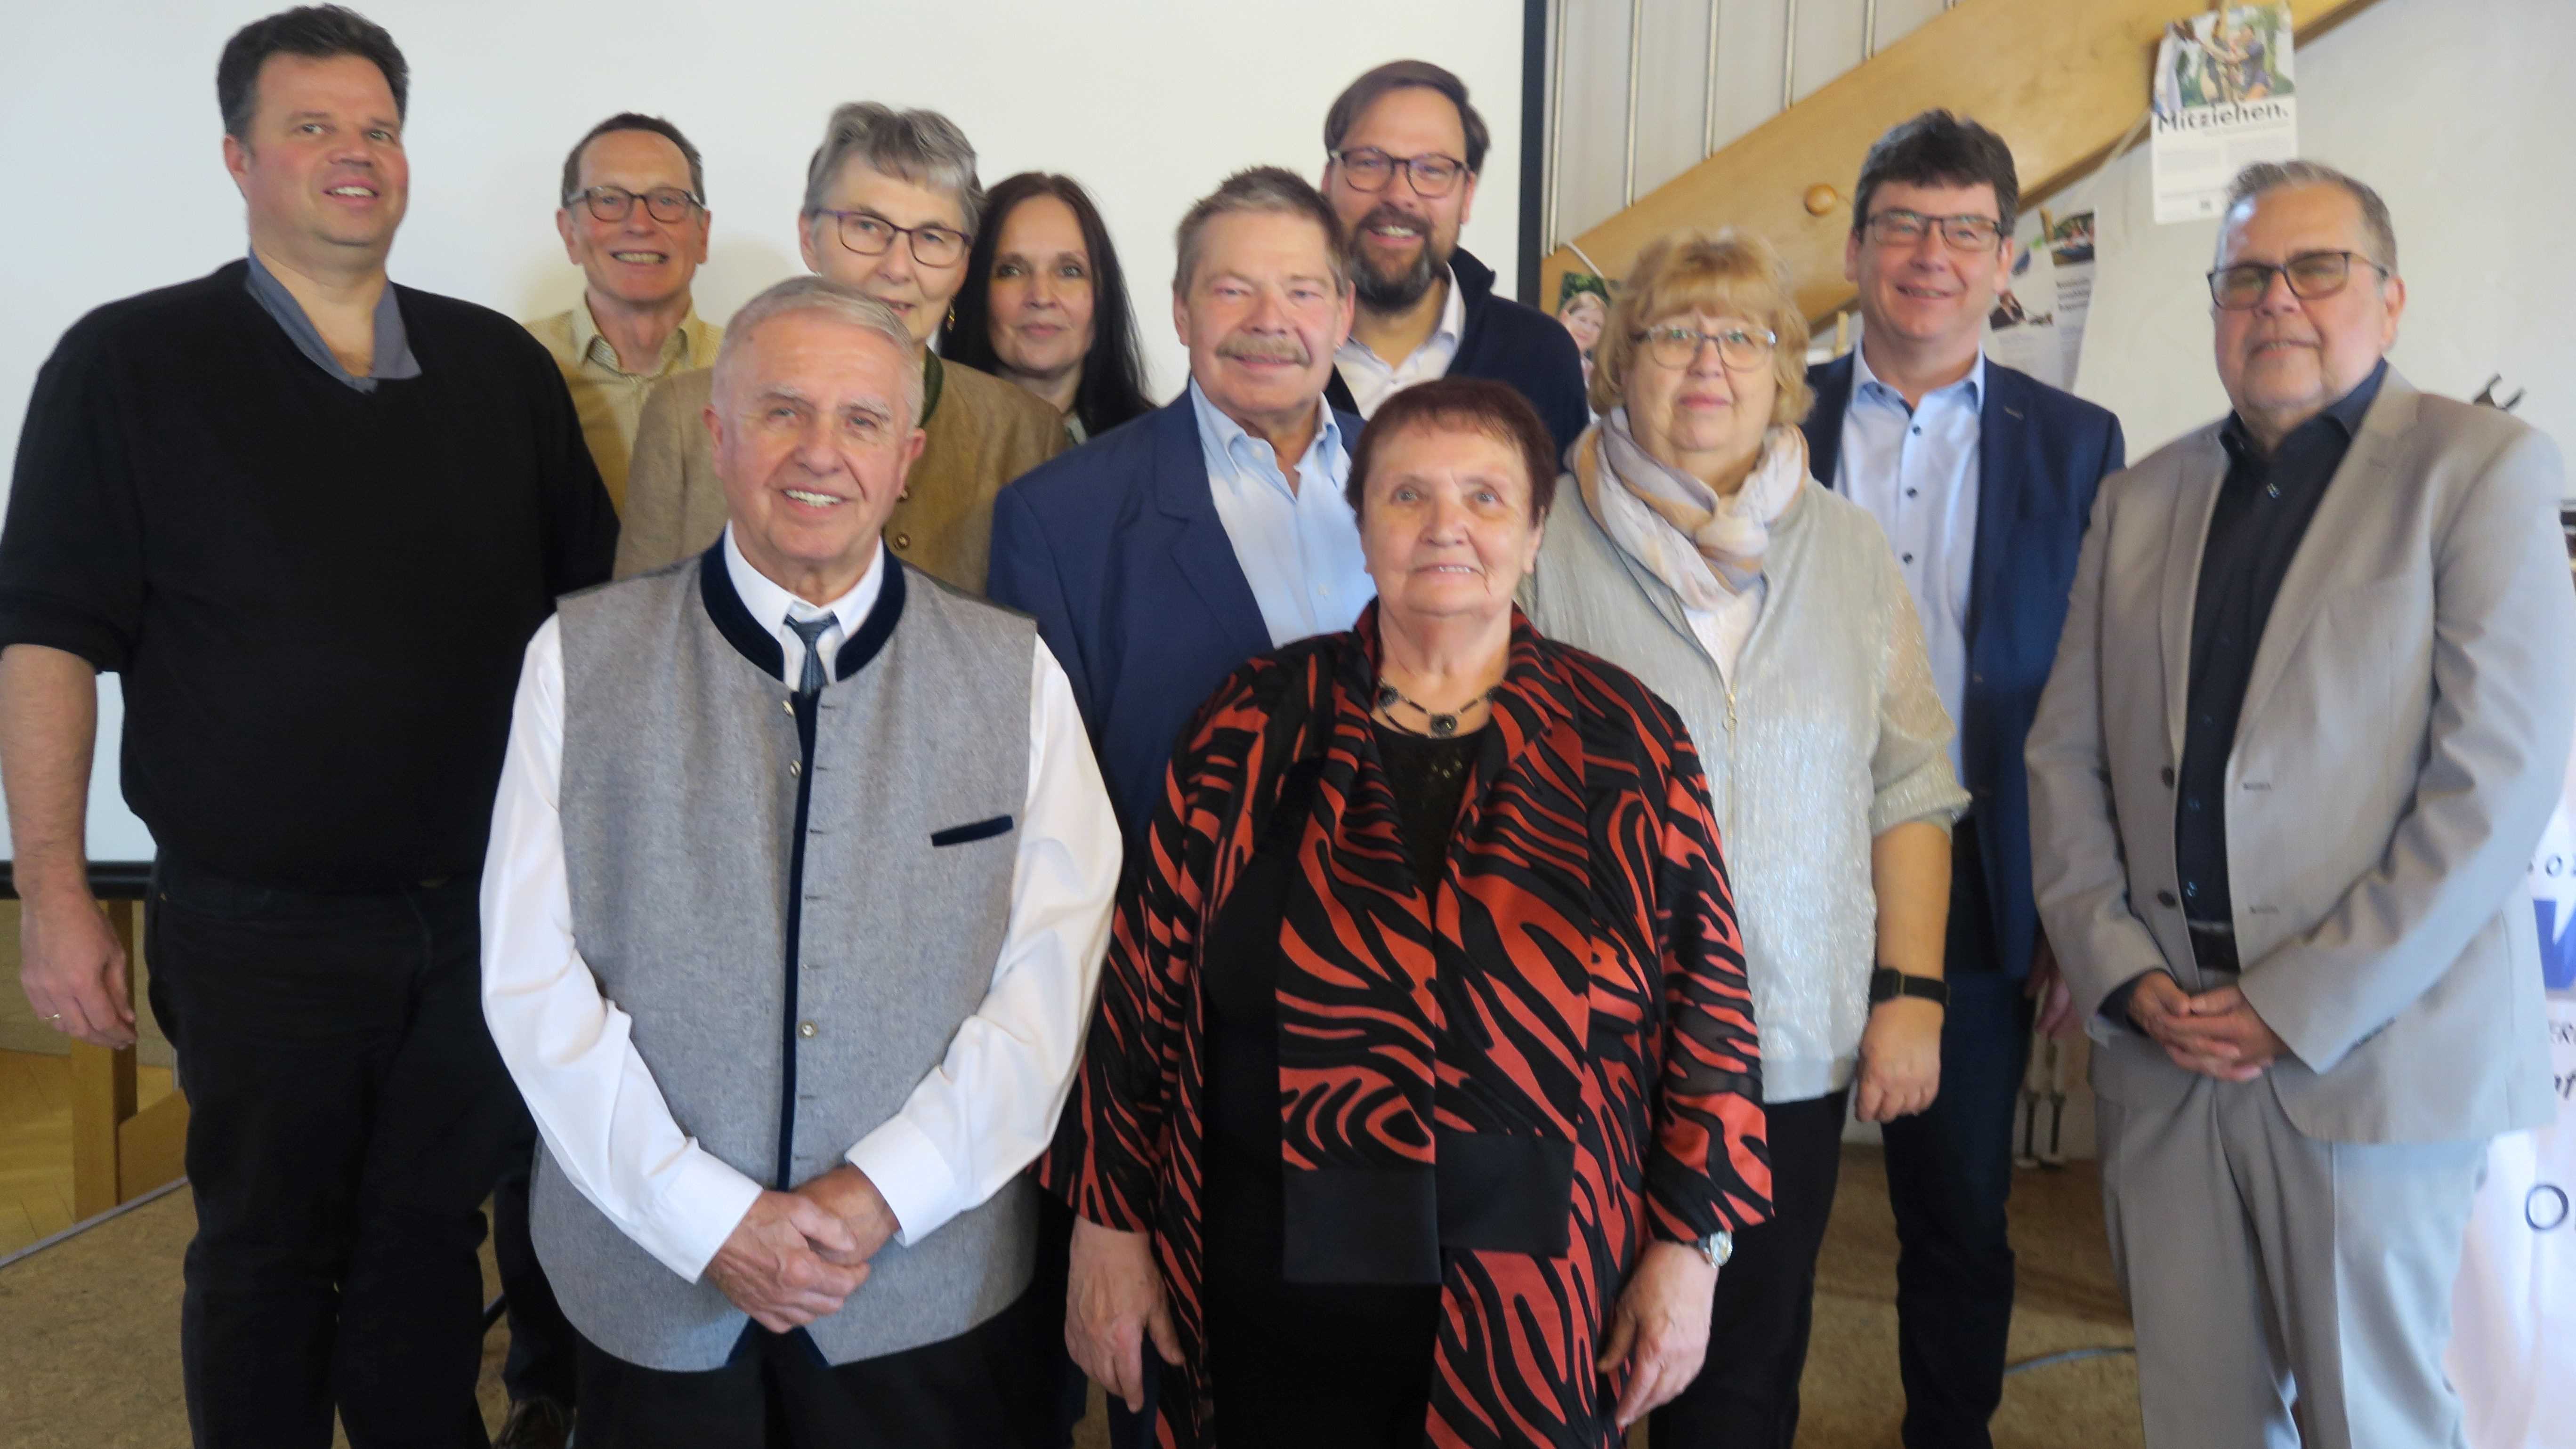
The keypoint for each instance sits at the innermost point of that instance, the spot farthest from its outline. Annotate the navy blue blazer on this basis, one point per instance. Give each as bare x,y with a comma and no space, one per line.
2041,453
1509,342
1117,550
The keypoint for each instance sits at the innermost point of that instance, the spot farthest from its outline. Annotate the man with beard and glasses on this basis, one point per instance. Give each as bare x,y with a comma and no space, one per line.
1161,556
1404,148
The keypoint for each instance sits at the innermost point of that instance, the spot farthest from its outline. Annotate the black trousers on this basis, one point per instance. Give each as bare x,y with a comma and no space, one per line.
991,1387
545,1352
347,1116
1746,1396
1949,1171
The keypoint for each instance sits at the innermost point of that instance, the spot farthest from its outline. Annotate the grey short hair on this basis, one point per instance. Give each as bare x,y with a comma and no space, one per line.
1274,189
833,299
2267,176
922,147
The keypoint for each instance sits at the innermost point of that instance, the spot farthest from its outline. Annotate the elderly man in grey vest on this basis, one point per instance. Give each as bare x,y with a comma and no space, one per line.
800,877
2309,715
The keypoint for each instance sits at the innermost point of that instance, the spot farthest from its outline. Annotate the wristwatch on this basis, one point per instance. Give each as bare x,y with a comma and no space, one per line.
1717,1247
1887,983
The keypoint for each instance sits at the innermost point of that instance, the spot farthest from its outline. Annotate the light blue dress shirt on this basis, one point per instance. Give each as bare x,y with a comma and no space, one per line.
1300,549
1915,469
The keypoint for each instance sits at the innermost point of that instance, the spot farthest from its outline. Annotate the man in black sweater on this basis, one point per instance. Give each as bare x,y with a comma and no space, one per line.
312,519
1403,147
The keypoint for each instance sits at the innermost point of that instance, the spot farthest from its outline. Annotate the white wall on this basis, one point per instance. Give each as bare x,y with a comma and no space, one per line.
107,114
2458,113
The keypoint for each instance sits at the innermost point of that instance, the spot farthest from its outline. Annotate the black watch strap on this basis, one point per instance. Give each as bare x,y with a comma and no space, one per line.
1887,983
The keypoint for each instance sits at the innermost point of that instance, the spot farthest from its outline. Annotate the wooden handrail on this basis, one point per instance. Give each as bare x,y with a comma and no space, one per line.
2060,81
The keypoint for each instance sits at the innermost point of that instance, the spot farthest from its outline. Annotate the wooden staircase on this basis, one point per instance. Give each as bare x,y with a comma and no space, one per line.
2061,80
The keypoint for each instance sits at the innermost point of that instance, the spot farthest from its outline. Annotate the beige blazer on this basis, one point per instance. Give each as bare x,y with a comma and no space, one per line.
984,432
2401,745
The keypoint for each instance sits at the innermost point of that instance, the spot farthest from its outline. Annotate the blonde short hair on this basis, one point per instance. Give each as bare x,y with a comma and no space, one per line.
1729,273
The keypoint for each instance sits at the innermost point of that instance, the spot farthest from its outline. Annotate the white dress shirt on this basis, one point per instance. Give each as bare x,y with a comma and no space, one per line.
1916,470
1300,548
770,603
977,1119
1372,380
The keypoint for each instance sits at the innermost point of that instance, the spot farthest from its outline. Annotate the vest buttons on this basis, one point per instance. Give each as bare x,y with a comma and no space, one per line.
788,705
805,1029
902,541
2166,898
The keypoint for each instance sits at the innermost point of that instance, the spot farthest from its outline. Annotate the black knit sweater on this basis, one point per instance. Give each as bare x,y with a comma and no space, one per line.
317,597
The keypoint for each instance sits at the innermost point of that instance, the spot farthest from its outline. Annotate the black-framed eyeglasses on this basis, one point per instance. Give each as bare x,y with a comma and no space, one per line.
1367,168
667,204
2242,288
1897,227
1740,347
870,235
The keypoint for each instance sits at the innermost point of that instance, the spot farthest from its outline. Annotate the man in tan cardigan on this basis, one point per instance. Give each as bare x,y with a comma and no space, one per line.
891,204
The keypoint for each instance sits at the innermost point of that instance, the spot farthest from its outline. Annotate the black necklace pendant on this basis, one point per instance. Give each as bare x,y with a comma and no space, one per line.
1441,726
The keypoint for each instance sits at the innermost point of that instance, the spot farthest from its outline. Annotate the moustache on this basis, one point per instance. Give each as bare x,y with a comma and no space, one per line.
1266,349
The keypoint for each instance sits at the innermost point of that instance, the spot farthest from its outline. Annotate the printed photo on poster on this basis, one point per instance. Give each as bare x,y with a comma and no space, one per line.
1583,305
2225,97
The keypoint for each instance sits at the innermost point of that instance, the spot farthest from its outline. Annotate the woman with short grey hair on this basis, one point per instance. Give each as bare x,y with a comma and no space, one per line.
891,206
1696,552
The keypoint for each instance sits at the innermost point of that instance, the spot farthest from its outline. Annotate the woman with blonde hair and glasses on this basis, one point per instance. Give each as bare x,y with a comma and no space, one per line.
1695,551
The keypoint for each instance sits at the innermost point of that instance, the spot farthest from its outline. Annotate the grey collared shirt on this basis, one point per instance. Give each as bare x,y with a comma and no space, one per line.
393,345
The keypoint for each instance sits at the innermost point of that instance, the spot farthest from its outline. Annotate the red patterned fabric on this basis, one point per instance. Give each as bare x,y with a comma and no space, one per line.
1575,978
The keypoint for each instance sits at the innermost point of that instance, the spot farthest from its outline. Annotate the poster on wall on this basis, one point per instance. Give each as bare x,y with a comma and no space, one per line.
2513,1310
2224,99
2037,326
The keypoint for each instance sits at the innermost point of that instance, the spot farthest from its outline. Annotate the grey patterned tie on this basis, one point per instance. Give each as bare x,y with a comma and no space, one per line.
812,632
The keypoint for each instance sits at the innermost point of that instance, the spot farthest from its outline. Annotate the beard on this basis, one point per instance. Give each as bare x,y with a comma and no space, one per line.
1380,292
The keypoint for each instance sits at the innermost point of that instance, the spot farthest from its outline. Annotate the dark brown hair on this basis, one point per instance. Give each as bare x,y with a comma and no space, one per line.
316,32
1395,75
1461,405
1937,148
631,121
1112,389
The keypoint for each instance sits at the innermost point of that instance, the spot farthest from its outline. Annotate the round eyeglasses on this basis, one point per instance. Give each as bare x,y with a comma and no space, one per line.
870,235
1367,168
668,204
1740,347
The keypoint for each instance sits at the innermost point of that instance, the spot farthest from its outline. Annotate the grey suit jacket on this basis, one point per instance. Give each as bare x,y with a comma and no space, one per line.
2400,748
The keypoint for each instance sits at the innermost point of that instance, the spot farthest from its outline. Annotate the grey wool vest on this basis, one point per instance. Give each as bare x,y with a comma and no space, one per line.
754,883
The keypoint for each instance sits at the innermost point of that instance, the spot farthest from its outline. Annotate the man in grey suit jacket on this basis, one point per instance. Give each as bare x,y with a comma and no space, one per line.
2312,695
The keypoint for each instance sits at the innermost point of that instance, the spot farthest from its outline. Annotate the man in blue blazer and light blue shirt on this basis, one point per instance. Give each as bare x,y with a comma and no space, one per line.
1983,478
1166,552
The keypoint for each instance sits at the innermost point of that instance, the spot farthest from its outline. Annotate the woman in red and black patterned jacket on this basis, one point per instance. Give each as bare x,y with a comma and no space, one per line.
1423,1095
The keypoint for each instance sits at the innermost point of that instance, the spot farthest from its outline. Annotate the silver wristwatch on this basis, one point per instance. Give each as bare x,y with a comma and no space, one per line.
1717,1247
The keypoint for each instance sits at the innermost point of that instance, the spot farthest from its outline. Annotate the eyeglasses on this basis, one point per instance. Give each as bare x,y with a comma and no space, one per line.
668,204
870,235
1896,227
1367,168
1739,347
2242,288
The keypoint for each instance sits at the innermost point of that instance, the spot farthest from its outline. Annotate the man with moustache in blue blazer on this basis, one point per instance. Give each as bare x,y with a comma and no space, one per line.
1168,551
1983,478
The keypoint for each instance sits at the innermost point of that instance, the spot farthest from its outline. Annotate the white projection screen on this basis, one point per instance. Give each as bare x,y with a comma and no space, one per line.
107,112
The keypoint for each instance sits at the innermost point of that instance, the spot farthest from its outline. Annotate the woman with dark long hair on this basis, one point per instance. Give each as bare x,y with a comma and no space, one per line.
1045,305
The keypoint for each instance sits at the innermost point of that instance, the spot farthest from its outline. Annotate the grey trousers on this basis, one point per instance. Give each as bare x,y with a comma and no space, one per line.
2263,1267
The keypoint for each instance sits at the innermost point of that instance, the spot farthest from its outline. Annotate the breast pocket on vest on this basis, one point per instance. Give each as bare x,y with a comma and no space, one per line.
968,834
